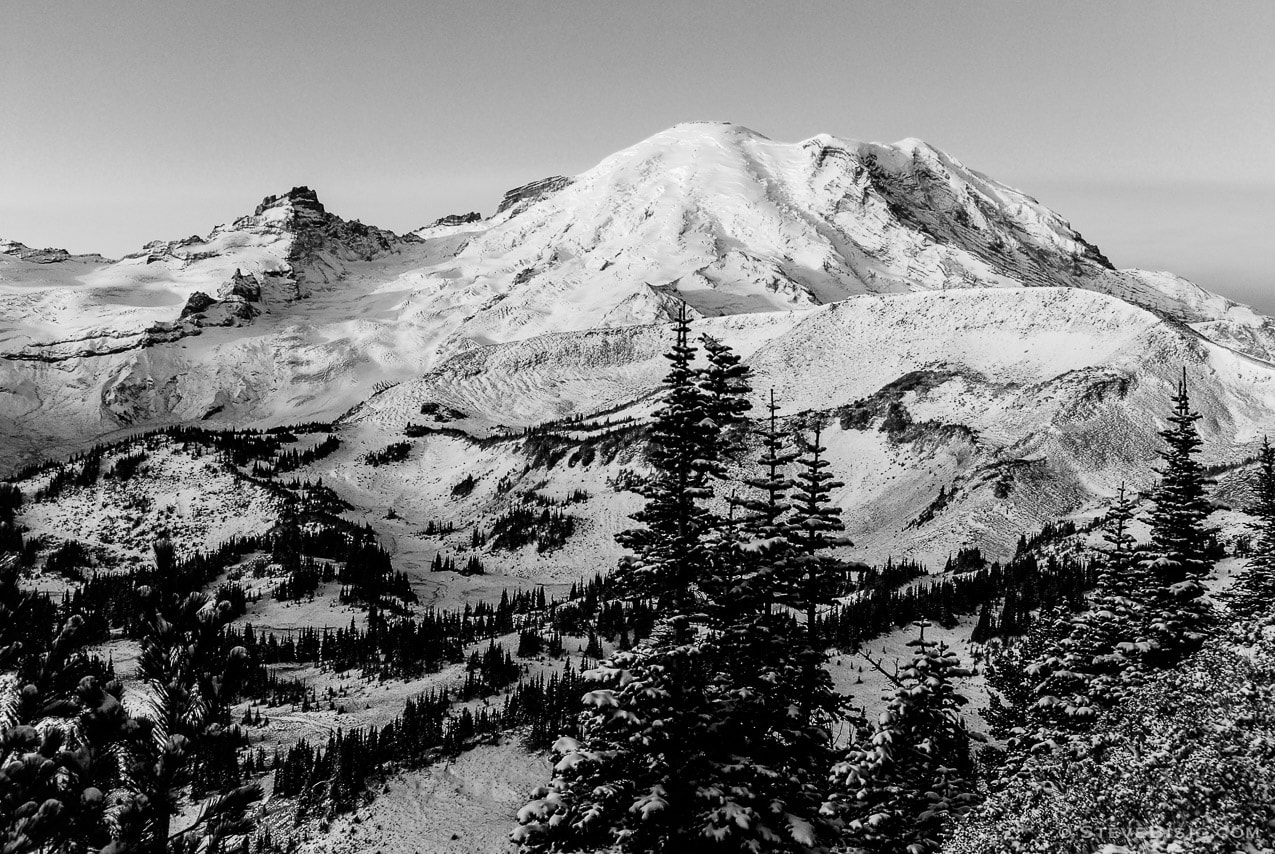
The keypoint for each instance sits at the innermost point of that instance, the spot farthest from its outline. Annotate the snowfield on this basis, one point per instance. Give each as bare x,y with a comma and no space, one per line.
464,805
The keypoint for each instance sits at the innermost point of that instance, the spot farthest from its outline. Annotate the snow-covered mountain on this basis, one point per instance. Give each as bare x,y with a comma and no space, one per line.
860,279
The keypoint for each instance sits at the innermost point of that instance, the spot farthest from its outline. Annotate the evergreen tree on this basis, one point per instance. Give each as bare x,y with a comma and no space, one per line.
691,741
763,559
1011,689
1096,655
810,576
1252,594
984,629
59,735
906,777
1178,556
1107,633
812,528
764,514
684,449
636,776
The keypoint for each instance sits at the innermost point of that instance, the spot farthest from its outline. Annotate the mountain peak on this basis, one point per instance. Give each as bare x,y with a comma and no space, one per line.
297,206
713,128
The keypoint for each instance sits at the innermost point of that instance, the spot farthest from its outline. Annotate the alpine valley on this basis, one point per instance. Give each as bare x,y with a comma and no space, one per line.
470,403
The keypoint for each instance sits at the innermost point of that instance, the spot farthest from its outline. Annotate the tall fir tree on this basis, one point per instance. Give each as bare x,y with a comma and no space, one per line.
1108,632
61,732
1178,555
192,674
683,452
773,696
763,511
812,527
1095,657
1252,594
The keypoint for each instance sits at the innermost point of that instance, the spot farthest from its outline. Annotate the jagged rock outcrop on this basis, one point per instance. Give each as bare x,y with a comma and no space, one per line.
48,255
528,194
456,219
196,303
247,288
319,241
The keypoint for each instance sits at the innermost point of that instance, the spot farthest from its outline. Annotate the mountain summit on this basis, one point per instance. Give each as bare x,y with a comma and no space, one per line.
728,221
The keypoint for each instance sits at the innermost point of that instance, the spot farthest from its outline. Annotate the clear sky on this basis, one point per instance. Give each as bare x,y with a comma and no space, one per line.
1149,125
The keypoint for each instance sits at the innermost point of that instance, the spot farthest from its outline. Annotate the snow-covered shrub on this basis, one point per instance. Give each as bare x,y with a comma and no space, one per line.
1184,763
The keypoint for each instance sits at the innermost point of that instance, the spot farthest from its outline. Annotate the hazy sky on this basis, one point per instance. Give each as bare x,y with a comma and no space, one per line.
1149,125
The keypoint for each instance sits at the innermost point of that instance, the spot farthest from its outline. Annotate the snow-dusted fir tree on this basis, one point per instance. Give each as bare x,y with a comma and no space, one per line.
683,452
810,576
695,738
763,511
1252,595
60,729
813,526
773,701
1105,636
911,771
79,773
1096,655
1177,556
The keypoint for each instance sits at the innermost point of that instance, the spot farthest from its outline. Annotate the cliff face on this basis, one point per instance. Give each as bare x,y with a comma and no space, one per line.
522,197
321,242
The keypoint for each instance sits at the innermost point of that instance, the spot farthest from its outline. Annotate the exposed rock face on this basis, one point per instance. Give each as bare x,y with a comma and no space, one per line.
320,241
198,302
456,219
200,311
229,312
523,197
301,204
48,255
247,288
38,256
